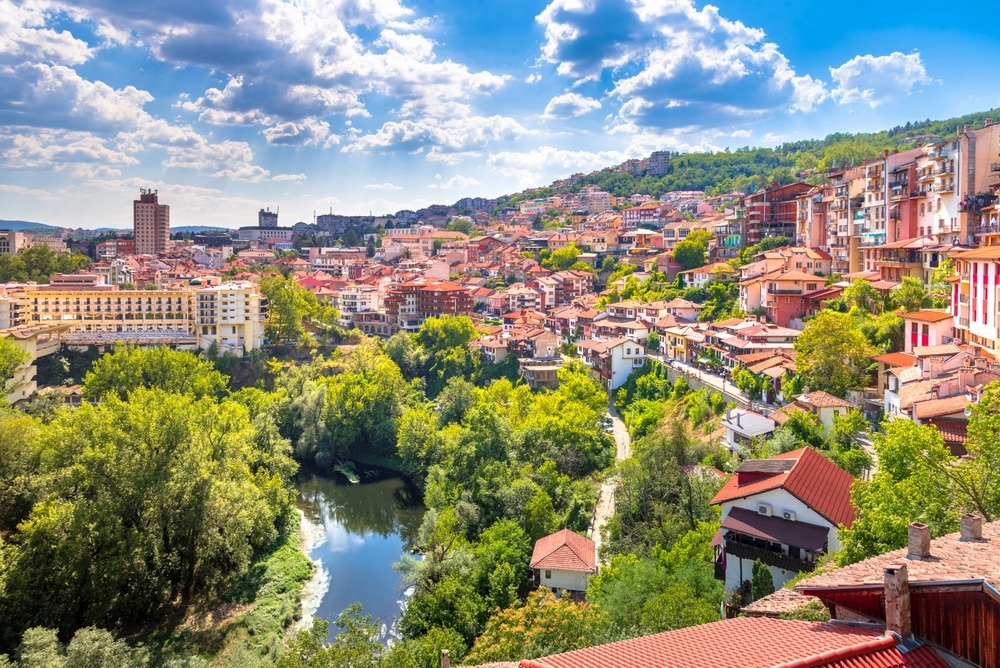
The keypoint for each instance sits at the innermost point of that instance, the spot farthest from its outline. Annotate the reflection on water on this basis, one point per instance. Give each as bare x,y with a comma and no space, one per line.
355,533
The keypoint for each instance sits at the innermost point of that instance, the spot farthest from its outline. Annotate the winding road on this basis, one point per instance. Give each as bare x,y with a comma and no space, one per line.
606,497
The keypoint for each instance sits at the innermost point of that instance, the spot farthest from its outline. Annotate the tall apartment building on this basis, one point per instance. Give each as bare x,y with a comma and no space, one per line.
150,223
408,304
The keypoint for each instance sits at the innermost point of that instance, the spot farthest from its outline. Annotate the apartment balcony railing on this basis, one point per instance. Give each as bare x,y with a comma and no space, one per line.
785,291
944,169
995,167
899,184
944,187
771,558
873,186
895,214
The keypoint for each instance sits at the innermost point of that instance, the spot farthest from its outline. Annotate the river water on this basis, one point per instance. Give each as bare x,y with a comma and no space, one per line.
355,533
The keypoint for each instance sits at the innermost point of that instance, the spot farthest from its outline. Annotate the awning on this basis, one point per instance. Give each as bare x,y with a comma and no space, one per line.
776,529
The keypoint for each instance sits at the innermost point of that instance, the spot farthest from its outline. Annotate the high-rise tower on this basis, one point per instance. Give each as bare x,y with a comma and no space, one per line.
150,223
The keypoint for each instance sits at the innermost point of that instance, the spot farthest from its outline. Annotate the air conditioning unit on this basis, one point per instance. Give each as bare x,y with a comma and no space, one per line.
764,509
788,515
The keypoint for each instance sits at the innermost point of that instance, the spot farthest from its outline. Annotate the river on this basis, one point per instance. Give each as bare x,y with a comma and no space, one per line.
355,533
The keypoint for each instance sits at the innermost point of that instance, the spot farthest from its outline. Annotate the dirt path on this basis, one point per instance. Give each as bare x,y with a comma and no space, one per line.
606,497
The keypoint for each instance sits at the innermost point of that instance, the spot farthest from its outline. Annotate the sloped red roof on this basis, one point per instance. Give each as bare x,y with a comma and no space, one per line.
813,479
750,642
565,550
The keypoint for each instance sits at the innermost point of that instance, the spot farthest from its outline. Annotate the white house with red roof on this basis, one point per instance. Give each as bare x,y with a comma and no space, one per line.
564,561
785,511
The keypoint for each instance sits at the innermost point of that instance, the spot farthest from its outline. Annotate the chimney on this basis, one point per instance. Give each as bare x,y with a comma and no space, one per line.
919,547
897,600
972,527
445,659
988,122
741,426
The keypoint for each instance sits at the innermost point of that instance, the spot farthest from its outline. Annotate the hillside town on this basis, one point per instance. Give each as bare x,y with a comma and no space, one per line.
726,295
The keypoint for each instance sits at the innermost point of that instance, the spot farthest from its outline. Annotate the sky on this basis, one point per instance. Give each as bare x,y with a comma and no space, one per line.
372,106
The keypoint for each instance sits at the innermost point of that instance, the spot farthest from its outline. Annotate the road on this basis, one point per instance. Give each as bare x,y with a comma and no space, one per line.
606,497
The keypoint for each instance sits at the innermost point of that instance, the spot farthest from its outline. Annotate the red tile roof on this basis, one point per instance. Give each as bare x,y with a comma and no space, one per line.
813,479
565,550
750,642
927,315
951,560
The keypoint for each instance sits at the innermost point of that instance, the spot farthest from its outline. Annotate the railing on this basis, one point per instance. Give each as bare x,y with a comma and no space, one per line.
995,167
785,292
752,553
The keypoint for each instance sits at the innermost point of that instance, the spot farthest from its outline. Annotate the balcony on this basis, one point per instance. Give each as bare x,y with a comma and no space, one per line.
944,188
995,167
944,169
771,558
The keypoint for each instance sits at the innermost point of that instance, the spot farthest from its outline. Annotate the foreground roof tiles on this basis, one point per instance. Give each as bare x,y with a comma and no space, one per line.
951,560
749,642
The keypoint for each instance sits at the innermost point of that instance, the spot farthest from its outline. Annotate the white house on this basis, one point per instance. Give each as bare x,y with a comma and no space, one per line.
784,511
564,561
742,427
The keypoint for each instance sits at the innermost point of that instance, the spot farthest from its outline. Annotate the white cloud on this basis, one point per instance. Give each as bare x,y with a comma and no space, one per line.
57,150
741,134
570,105
529,167
533,78
875,80
456,182
290,60
289,178
307,132
24,37
382,186
671,64
455,134
55,96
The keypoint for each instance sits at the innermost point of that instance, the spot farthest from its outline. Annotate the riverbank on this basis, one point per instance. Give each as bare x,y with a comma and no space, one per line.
250,625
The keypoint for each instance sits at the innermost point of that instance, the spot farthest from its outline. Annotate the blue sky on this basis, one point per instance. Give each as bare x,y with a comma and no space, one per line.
380,105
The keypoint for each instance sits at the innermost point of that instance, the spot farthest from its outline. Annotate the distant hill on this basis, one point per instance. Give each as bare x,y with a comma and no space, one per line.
198,229
19,225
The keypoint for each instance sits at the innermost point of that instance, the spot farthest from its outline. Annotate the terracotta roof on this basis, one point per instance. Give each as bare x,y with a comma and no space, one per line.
926,315
941,407
942,350
813,479
565,550
749,642
780,602
821,399
951,560
895,359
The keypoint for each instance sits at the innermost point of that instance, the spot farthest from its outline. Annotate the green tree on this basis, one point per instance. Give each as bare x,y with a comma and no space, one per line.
160,499
909,485
129,368
691,252
832,354
862,295
287,307
562,258
544,625
910,294
762,582
11,357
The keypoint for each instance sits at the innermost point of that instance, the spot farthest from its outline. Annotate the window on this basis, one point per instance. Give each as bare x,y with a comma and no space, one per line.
548,574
